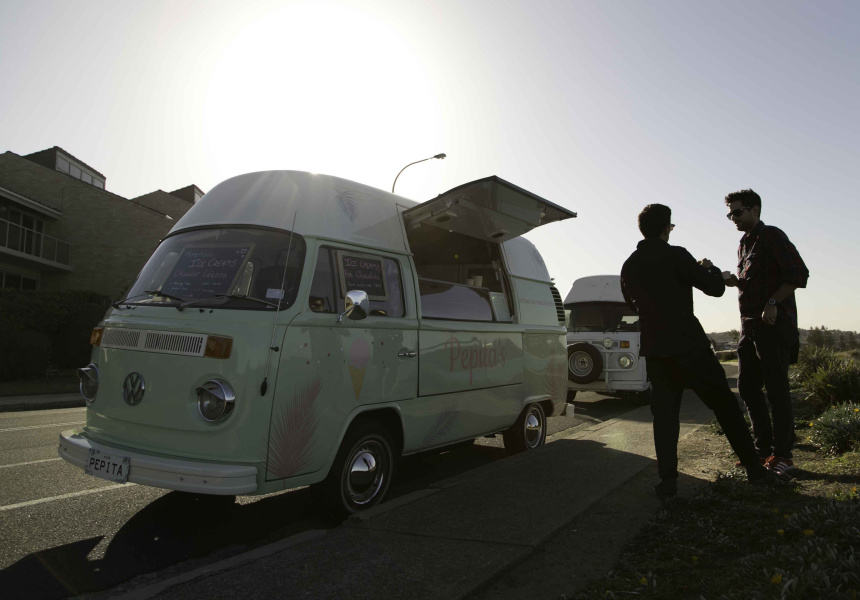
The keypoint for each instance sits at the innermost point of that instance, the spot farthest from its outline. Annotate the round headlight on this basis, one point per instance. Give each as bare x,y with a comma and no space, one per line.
625,361
89,377
607,343
215,400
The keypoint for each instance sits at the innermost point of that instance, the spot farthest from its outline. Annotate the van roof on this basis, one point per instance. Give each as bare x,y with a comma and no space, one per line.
595,288
341,209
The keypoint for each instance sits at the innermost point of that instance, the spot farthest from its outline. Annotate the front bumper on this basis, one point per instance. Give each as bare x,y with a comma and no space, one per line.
167,473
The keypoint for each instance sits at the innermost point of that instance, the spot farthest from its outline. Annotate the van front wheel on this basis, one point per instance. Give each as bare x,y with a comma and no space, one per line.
529,432
362,471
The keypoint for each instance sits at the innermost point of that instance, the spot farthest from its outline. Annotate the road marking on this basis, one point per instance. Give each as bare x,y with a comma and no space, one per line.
41,426
64,496
32,462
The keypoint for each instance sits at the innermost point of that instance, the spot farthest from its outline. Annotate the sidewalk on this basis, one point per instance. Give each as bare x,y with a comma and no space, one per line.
16,403
452,539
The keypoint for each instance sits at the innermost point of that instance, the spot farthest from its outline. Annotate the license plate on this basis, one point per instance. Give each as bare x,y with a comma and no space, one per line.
108,466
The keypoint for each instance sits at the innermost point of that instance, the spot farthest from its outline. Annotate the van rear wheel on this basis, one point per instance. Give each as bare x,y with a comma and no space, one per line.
529,432
362,471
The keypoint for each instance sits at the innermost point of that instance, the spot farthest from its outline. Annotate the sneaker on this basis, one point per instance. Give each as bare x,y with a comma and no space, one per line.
761,459
667,488
780,466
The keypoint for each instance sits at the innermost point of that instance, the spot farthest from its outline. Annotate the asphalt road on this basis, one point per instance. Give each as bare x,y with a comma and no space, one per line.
63,533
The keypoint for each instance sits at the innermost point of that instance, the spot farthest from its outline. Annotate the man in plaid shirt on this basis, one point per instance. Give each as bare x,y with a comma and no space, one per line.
769,270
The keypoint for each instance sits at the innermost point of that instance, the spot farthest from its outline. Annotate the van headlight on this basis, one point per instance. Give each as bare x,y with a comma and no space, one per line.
89,377
215,400
625,361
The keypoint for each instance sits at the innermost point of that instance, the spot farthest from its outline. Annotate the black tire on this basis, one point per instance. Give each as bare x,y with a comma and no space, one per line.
362,470
644,396
571,396
584,363
529,432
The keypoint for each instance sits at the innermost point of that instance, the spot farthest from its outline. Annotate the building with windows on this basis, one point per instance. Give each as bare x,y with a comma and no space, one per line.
60,229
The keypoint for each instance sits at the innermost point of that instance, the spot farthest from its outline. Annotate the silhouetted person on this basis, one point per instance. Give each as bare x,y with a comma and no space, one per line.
769,270
657,282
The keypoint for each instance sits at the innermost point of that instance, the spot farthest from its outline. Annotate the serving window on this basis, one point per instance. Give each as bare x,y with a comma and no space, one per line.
459,277
339,271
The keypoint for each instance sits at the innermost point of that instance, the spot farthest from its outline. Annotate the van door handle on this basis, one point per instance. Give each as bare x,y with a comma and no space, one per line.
407,354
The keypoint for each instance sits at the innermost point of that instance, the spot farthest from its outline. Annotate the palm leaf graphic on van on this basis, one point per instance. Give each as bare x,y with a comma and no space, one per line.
347,202
290,449
445,422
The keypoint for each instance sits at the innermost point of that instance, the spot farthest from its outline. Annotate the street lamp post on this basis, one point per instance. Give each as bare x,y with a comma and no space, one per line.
414,163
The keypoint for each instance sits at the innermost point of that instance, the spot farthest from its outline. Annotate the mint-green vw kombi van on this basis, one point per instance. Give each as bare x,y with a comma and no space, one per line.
297,329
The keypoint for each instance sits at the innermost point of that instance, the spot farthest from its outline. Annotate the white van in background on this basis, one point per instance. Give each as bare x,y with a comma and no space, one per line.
602,339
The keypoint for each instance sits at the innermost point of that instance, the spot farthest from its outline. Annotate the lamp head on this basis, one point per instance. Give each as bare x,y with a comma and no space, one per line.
440,155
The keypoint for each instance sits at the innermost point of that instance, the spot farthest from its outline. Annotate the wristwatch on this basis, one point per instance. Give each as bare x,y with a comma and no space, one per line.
771,302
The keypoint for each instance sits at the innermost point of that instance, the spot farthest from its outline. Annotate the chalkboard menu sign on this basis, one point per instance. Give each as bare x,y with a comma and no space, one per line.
203,271
363,273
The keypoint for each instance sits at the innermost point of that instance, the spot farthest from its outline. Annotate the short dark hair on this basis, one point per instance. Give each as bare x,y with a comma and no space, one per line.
654,219
747,198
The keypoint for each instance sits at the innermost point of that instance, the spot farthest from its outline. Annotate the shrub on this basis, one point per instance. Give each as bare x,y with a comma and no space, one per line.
837,430
726,355
23,354
64,319
834,384
813,358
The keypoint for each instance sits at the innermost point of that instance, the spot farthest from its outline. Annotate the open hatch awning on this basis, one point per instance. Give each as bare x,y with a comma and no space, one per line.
490,209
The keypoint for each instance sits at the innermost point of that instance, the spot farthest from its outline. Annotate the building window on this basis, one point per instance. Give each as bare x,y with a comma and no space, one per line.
62,164
17,282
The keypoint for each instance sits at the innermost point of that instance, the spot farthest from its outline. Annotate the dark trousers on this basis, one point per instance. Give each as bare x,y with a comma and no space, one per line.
763,357
700,371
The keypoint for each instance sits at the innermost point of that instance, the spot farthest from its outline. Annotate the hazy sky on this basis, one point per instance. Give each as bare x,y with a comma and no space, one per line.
601,107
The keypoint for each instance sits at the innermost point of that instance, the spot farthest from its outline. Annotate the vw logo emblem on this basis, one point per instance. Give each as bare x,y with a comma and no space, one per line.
133,389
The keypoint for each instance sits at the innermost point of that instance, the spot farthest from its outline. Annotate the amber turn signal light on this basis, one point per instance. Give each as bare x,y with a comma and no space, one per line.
218,346
625,344
96,336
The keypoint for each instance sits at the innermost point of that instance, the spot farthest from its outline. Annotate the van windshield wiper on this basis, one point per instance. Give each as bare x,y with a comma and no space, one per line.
227,297
118,303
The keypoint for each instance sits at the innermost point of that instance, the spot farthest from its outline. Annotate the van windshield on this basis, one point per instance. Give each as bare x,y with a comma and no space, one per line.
230,267
601,316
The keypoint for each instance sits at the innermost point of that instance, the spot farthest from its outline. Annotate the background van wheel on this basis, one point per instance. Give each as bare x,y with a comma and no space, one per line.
362,471
584,363
529,432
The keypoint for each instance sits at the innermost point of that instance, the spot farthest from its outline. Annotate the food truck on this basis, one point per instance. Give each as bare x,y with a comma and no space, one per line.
603,339
300,329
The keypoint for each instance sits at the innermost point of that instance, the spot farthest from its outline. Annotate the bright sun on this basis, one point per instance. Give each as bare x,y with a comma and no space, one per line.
317,88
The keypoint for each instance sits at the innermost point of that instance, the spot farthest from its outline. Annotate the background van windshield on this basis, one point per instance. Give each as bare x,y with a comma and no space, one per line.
202,264
601,316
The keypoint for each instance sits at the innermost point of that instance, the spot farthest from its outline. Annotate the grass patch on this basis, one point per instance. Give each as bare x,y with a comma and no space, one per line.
63,382
734,541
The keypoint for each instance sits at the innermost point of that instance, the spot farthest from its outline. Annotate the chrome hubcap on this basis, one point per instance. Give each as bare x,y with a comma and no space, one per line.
534,428
366,473
580,363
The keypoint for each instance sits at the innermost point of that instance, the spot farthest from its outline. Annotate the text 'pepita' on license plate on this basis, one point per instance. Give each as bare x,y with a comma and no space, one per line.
107,466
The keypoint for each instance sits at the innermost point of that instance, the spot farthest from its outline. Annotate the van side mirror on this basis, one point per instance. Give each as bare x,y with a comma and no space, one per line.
356,306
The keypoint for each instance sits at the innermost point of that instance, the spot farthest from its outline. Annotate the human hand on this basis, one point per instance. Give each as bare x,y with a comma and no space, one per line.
768,315
730,279
706,263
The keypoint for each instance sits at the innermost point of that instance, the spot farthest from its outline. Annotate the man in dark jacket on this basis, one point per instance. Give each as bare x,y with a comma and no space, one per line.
657,282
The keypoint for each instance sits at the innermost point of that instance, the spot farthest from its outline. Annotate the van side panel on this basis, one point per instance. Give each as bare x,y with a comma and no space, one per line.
434,421
545,373
535,302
